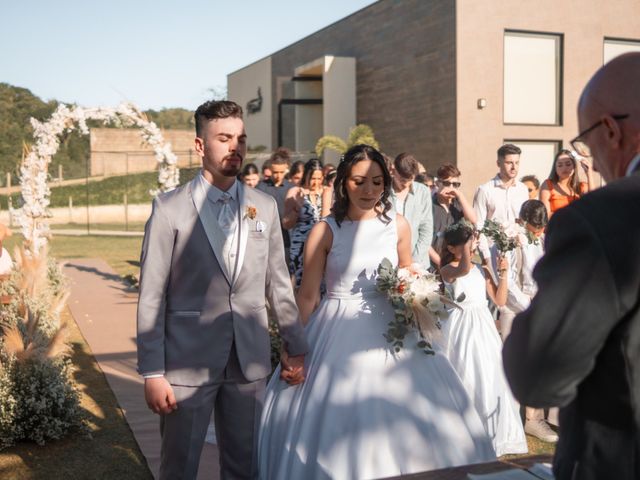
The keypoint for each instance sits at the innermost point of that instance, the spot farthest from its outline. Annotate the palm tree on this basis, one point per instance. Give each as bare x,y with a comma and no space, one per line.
360,134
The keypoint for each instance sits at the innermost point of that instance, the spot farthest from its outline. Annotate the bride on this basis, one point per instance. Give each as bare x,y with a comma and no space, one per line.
364,411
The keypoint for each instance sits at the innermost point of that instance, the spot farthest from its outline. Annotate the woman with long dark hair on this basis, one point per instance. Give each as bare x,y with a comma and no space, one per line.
563,185
303,208
364,410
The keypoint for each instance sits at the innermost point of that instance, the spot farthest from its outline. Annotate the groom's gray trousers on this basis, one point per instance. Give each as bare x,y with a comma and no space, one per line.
234,399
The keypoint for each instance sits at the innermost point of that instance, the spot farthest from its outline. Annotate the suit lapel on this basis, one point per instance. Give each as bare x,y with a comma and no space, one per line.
210,224
243,194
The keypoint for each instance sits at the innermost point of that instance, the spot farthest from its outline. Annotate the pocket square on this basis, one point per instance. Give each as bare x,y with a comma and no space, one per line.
260,226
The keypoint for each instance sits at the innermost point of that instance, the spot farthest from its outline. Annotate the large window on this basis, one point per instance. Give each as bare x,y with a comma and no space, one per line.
532,78
614,47
536,157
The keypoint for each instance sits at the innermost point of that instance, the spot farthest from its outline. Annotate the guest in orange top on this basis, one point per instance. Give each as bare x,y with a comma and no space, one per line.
563,185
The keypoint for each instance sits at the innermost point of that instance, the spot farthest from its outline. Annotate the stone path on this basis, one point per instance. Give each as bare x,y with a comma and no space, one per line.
106,316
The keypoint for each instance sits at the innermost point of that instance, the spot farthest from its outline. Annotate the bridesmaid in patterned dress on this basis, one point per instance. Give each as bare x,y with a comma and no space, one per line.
304,206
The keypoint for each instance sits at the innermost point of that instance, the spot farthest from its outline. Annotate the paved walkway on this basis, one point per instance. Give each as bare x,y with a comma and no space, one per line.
106,316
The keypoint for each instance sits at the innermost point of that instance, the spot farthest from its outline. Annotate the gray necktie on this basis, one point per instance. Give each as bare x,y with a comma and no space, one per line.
226,217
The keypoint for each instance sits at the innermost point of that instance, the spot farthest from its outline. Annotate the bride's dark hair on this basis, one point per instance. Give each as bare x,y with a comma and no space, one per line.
352,156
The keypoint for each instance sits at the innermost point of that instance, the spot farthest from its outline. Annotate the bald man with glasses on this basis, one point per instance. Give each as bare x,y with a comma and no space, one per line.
578,344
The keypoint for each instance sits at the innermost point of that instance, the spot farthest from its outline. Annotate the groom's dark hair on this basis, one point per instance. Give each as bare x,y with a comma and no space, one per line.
214,109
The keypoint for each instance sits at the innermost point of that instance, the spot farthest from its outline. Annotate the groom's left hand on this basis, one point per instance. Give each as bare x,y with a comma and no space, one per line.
292,370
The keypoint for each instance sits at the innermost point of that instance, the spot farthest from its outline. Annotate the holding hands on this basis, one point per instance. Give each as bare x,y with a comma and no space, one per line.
292,368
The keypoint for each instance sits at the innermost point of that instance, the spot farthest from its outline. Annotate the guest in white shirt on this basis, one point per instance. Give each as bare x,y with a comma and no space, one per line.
501,197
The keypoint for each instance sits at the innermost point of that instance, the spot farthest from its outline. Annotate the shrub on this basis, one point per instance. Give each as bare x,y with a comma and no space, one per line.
39,401
42,401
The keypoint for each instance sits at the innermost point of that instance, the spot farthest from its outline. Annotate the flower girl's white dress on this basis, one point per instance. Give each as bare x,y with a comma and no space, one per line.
471,342
363,411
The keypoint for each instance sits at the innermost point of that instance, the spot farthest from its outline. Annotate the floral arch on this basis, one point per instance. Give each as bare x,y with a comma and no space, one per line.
35,167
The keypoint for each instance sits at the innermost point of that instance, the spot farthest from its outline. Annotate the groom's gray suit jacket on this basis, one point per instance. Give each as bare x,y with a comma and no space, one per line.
190,311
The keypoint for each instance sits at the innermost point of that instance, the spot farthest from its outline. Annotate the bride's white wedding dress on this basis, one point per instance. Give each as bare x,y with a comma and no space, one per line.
364,411
471,342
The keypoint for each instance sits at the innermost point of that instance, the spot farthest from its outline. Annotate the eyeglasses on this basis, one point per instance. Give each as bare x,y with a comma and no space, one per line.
447,183
531,190
578,143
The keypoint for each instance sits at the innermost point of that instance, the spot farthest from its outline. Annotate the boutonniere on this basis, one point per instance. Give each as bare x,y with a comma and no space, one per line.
251,212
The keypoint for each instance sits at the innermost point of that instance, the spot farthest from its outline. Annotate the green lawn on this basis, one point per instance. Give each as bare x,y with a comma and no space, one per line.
131,227
109,191
122,253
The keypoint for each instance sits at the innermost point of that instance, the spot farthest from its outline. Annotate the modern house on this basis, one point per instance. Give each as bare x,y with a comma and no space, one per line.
447,80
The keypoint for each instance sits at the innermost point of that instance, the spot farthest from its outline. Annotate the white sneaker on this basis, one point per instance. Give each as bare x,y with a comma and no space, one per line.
540,429
552,418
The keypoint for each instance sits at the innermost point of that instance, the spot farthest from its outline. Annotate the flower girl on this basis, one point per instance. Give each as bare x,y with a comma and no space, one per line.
471,341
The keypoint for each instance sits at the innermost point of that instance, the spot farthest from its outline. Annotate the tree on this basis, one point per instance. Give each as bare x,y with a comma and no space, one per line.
360,134
172,118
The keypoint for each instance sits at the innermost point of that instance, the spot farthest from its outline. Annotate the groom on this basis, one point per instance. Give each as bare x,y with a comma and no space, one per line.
212,250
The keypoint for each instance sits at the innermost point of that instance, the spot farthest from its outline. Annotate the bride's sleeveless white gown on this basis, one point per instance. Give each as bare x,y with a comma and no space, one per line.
364,411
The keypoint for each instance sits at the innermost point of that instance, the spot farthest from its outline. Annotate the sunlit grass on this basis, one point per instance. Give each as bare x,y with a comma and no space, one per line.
122,253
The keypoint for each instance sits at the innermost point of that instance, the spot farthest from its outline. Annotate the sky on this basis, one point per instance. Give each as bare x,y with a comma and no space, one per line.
155,53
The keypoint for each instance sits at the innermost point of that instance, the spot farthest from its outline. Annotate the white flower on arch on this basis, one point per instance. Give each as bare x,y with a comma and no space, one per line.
34,170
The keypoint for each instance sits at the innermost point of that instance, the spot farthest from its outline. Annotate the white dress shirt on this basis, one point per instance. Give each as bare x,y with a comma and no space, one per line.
496,201
230,246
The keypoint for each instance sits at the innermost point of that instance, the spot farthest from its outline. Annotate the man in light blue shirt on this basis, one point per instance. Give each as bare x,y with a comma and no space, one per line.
413,200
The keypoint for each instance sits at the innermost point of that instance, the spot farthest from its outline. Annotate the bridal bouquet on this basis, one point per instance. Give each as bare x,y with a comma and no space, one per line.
415,296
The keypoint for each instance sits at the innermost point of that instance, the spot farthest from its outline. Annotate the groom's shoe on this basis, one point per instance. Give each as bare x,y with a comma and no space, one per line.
540,429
